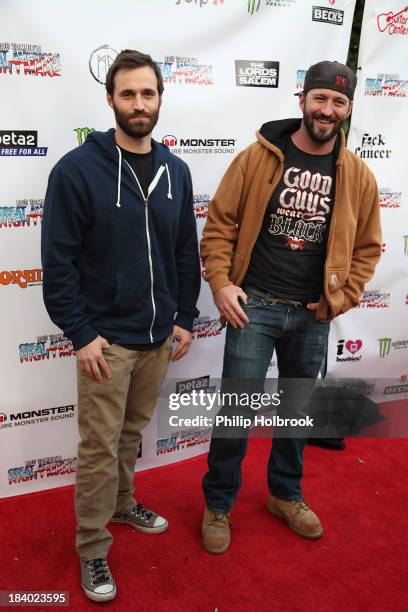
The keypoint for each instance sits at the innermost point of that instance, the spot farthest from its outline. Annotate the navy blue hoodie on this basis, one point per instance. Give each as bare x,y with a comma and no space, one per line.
114,263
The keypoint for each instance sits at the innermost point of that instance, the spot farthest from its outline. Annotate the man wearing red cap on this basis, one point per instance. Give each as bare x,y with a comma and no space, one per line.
292,237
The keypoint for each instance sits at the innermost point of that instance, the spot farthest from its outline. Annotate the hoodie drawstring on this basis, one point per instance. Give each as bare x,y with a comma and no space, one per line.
119,176
170,197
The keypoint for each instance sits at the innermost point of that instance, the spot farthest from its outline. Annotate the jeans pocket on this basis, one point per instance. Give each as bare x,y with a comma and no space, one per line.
253,301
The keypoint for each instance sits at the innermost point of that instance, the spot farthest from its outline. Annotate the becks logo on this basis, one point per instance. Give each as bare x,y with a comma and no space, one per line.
393,22
325,15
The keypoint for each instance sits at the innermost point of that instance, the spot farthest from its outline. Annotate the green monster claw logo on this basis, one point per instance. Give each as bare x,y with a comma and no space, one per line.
253,5
385,345
405,238
82,134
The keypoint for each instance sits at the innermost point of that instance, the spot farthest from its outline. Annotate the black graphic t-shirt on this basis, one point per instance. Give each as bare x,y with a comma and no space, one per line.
290,251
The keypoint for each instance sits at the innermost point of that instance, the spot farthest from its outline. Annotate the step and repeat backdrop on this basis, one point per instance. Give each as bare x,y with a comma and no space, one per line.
371,341
228,66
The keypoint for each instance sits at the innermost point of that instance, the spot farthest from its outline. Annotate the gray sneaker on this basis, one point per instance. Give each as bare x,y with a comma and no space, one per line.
142,519
96,580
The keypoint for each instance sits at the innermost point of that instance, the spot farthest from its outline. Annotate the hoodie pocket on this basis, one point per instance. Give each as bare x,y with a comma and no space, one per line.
133,292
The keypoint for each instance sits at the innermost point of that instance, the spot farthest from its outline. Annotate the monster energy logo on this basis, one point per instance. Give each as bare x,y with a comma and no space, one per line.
385,345
405,245
253,5
82,134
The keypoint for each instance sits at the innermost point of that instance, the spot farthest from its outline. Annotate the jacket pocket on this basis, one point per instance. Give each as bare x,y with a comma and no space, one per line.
132,292
336,279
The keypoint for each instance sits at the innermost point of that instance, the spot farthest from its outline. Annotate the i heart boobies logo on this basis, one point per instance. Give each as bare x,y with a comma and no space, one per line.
353,346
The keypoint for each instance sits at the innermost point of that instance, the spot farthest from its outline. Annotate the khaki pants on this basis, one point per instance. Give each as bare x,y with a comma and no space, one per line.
111,416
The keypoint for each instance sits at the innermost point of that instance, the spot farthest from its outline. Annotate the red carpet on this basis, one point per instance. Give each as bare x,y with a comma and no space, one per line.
360,563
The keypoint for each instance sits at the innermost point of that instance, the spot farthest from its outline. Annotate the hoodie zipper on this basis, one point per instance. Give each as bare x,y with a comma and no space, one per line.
149,246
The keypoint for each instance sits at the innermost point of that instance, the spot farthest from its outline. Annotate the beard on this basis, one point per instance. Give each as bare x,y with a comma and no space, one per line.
136,128
320,133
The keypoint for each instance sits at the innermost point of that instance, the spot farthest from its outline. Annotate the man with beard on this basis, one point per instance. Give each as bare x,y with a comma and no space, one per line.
292,236
121,279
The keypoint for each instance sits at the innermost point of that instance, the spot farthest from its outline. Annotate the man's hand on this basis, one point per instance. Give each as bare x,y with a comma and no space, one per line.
226,300
184,339
312,305
90,359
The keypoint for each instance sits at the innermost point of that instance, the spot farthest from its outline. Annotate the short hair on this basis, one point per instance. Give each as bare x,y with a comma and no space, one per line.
130,58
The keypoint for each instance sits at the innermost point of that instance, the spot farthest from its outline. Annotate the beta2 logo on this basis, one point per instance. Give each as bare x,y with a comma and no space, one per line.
20,143
393,22
352,346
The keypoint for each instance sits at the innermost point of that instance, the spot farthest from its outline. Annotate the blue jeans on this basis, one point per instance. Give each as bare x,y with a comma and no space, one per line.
300,343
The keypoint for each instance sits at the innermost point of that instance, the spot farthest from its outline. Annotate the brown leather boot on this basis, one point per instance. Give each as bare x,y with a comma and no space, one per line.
297,515
215,531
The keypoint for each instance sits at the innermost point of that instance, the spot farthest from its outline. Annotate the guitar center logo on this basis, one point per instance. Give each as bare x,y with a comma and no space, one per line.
38,469
254,5
197,146
205,327
100,60
386,344
22,59
256,73
373,147
200,3
186,71
182,440
46,348
20,143
26,213
32,417
389,198
352,347
386,85
21,278
394,22
375,299
326,15
200,203
82,134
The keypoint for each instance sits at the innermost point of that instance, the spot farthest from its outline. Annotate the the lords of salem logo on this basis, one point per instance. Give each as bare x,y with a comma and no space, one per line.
28,60
205,327
26,213
82,134
254,5
256,73
200,3
45,467
352,347
375,299
181,440
186,71
386,344
100,60
326,15
20,143
200,203
31,417
188,146
46,347
373,147
386,85
21,278
394,22
389,198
